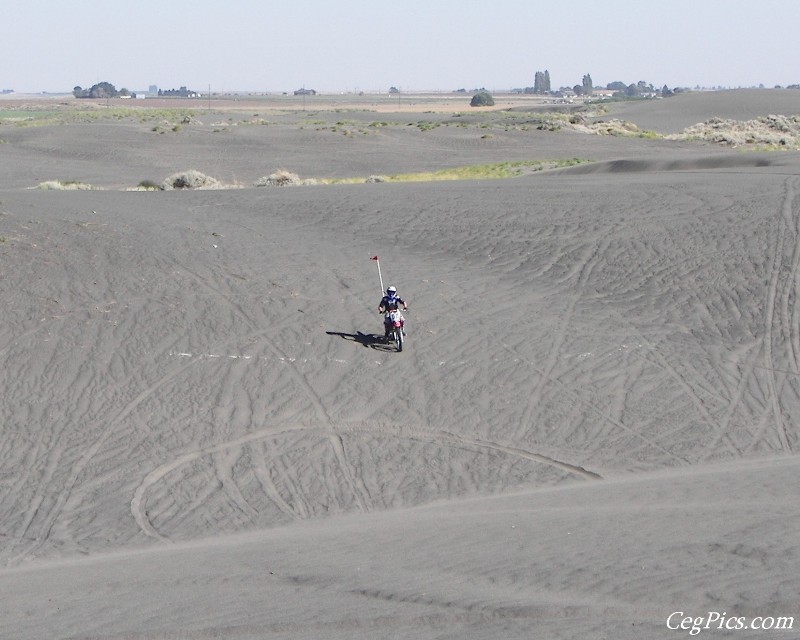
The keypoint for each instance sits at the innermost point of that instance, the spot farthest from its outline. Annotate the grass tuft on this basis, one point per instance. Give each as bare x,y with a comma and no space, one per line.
66,185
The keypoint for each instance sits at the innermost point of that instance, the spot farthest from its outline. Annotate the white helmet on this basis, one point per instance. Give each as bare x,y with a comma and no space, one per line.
392,291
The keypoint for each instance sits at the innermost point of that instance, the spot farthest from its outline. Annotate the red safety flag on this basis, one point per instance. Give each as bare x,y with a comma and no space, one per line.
374,258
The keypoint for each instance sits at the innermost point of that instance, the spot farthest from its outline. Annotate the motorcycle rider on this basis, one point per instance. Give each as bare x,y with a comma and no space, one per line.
391,302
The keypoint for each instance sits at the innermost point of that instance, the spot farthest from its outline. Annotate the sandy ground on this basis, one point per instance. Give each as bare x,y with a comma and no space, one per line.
590,434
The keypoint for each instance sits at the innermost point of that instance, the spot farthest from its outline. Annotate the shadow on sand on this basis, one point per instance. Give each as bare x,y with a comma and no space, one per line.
371,340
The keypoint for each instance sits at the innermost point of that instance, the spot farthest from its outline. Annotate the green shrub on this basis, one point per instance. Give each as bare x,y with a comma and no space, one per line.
482,99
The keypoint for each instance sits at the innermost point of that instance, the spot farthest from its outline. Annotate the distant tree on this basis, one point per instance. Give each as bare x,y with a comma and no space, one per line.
541,82
578,89
103,90
482,99
586,85
616,86
666,92
183,92
97,91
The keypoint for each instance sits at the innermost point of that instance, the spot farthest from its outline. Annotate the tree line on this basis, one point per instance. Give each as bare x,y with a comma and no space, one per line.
100,91
541,86
103,90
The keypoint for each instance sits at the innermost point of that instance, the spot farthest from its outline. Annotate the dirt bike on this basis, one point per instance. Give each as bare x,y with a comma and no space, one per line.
394,321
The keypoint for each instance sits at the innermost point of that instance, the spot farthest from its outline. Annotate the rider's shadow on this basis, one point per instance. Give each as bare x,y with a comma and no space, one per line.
370,340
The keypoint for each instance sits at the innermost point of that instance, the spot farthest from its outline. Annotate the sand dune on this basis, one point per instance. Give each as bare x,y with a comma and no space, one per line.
606,559
699,163
593,427
679,112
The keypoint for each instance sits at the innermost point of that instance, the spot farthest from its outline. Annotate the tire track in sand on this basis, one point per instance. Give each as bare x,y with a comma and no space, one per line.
591,258
597,410
357,488
139,500
356,484
112,423
440,438
446,437
786,221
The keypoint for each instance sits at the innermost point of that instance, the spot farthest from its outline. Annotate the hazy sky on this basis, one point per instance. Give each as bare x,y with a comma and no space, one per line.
349,45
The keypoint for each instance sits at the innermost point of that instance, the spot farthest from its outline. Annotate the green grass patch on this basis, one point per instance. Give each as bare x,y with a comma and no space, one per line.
19,116
31,117
495,171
